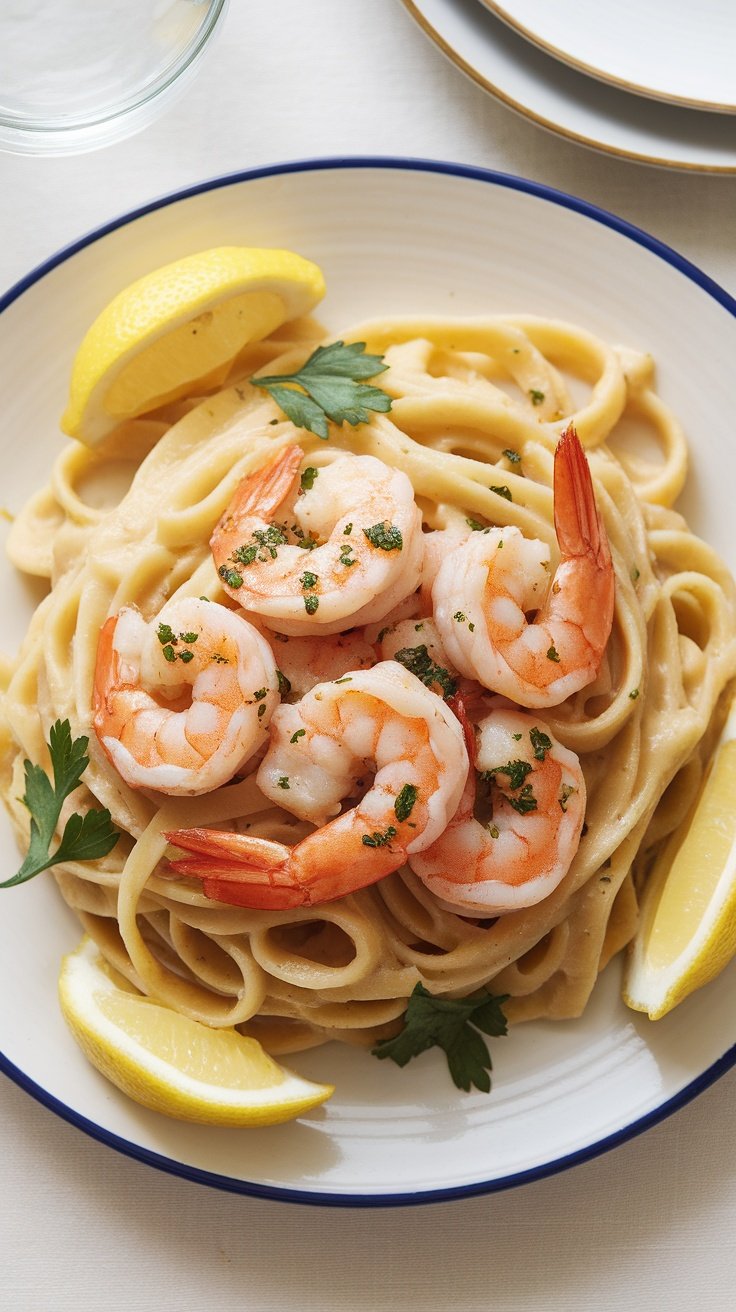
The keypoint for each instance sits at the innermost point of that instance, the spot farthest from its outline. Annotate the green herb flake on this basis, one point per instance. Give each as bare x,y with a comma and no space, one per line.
230,577
517,737
347,530
494,831
566,793
385,536
311,604
259,694
635,575
296,736
345,555
526,801
454,1025
541,743
536,397
379,840
306,482
261,710
475,524
503,491
634,694
165,634
245,555
471,627
460,617
189,637
418,662
404,804
85,837
186,656
346,678
283,782
219,659
553,655
309,580
283,682
517,772
511,455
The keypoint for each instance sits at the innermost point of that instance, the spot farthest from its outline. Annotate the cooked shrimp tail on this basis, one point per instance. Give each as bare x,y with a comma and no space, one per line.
486,590
262,491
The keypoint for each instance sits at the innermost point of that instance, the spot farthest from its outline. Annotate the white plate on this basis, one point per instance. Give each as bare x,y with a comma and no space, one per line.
570,103
670,49
486,243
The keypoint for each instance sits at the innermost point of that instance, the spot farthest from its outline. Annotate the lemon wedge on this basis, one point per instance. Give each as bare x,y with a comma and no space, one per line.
171,1063
687,931
182,326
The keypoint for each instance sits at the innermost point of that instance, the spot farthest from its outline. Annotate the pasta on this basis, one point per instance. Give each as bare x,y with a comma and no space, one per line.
478,406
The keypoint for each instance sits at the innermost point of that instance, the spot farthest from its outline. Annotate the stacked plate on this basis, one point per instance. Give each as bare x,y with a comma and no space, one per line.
649,81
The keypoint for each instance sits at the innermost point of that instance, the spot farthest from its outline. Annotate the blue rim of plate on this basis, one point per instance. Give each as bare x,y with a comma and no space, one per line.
689,1091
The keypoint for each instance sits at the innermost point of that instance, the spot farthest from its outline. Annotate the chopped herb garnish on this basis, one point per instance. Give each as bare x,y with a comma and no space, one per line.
535,396
385,536
308,543
526,801
383,633
553,654
261,710
475,524
345,554
306,482
329,386
460,617
168,653
511,455
517,772
245,555
418,661
635,575
347,530
186,656
283,682
517,737
566,793
230,577
86,837
346,678
379,840
283,782
471,627
189,637
503,491
452,1024
259,694
309,580
165,634
494,831
311,604
296,736
541,743
418,627
634,694
404,804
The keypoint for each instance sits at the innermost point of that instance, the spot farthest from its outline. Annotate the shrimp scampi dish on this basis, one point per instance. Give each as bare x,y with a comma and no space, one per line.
409,697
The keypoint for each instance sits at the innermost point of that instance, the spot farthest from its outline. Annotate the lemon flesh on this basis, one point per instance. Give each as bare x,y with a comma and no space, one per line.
179,328
687,933
173,1064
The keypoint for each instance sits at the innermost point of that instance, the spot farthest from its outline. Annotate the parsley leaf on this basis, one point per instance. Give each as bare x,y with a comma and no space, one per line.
451,1024
85,837
404,804
331,388
418,661
385,536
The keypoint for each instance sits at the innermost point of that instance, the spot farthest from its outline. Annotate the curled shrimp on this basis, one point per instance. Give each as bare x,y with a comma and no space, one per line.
485,589
182,702
381,721
360,524
535,805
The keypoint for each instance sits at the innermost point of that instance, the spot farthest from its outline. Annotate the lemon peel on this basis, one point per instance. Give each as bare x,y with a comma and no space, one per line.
687,931
170,1063
180,327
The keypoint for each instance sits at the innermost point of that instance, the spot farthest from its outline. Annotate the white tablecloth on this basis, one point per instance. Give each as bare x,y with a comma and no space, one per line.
648,1226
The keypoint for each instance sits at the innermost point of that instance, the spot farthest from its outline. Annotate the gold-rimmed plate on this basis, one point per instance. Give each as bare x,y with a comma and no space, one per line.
569,102
671,50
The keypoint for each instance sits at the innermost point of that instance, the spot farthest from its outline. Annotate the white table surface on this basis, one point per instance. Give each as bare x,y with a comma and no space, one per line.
648,1226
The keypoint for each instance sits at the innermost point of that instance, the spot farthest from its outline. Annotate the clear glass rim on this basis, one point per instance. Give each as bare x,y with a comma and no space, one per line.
59,128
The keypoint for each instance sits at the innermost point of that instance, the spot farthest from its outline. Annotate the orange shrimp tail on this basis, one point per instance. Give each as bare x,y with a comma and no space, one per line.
239,869
578,524
105,669
262,491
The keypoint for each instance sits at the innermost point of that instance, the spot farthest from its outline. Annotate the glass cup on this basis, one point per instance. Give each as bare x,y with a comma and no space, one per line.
78,74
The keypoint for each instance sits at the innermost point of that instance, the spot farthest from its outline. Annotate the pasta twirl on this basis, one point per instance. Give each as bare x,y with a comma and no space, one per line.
478,406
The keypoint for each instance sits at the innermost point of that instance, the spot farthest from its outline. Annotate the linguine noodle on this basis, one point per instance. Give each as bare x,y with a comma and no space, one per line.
465,394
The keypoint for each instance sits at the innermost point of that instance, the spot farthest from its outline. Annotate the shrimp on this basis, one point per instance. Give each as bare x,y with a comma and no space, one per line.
381,721
485,588
537,802
305,662
362,529
155,731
